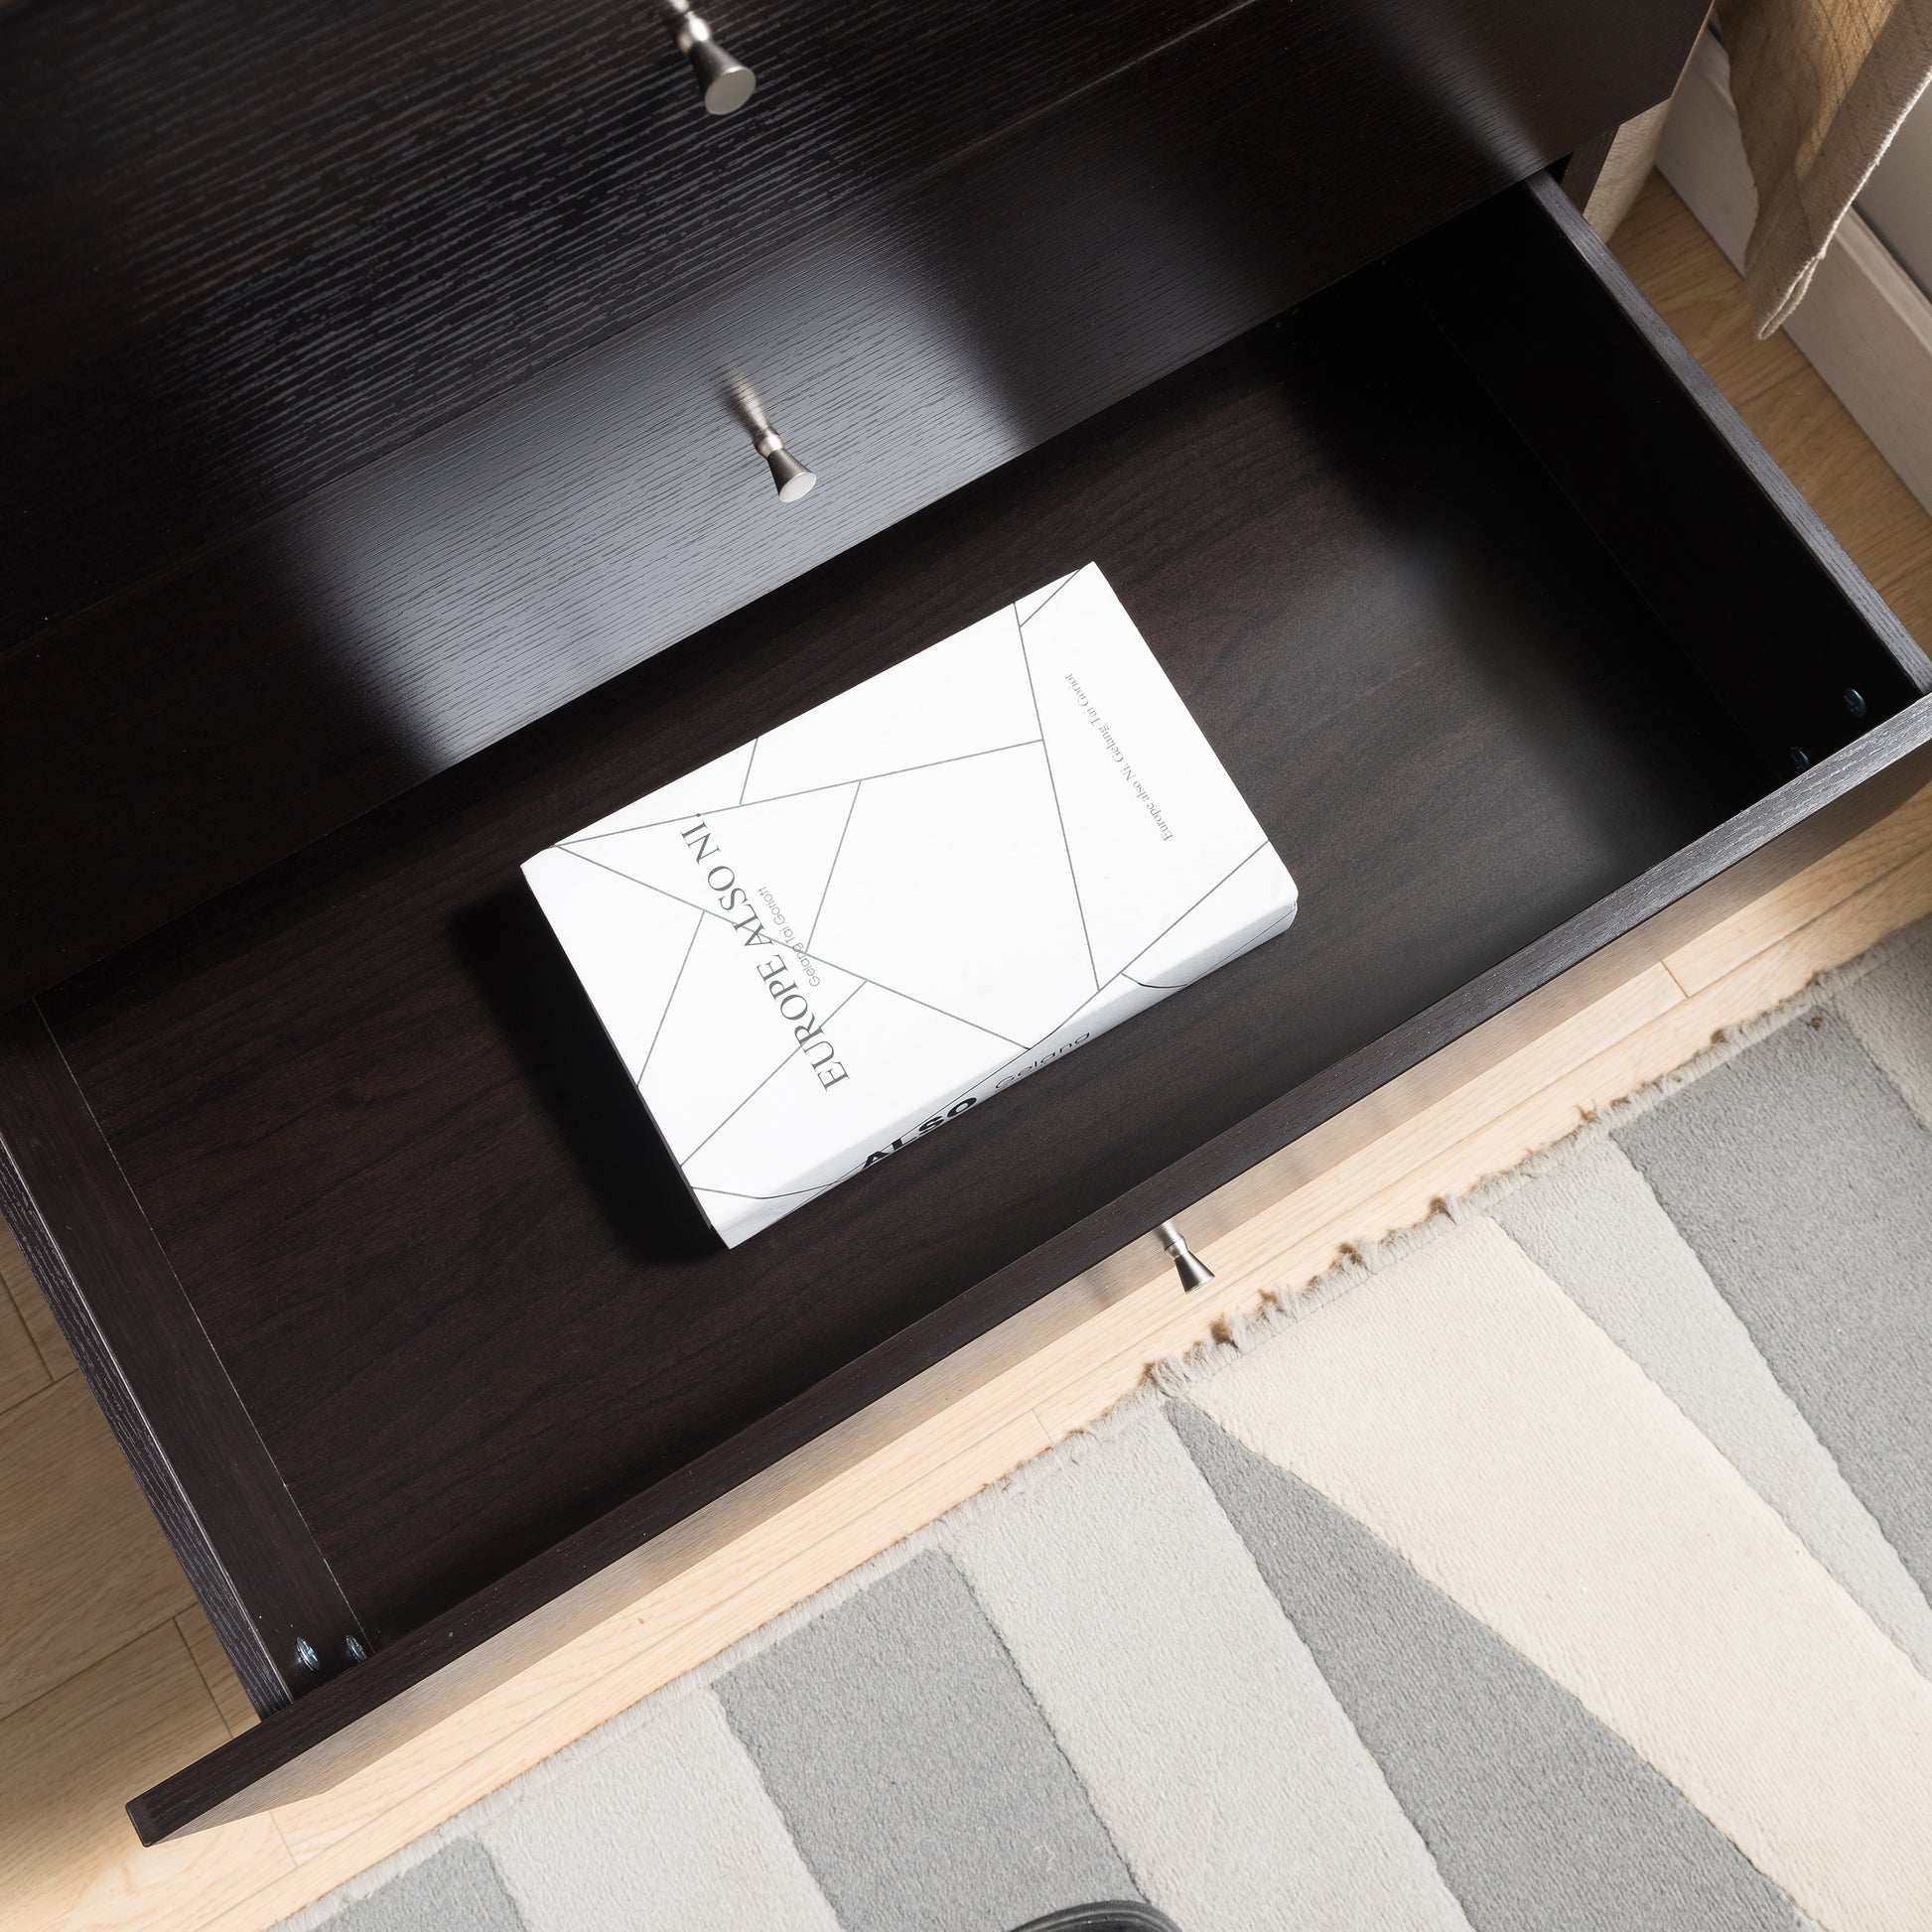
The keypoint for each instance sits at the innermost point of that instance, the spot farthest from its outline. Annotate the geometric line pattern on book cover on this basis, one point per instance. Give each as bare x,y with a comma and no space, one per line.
711,786
1197,904
1119,747
964,694
1232,917
669,1002
818,911
784,1061
1247,944
1060,817
817,957
1004,887
990,900
803,791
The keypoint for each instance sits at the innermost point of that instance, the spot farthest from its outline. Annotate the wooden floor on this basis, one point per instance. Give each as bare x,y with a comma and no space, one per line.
111,1677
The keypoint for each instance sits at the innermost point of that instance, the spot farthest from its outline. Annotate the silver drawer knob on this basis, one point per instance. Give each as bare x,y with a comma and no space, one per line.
1194,1271
793,479
725,83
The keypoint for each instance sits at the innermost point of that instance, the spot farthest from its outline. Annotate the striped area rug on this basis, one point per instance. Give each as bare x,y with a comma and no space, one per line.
1563,1565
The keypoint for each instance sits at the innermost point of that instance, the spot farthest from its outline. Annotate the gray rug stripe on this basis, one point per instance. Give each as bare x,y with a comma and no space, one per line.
1592,1224
1890,1011
457,1888
1225,1770
1804,1183
918,1778
1540,1818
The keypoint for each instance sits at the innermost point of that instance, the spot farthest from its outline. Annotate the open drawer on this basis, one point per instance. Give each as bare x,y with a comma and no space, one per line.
1527,659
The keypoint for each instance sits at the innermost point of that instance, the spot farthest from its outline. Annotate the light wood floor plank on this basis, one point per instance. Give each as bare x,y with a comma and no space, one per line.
68,1858
84,1565
1801,898
1857,492
22,1372
1692,286
1793,414
1910,594
223,1685
25,1294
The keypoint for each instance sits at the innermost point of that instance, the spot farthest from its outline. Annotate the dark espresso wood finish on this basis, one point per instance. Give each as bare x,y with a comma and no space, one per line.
421,1221
1752,602
382,1074
252,247
199,1462
184,730
593,1574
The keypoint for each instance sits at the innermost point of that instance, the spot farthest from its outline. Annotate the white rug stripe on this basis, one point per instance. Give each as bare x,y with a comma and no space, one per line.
1594,1225
664,1825
1213,1751
1465,1410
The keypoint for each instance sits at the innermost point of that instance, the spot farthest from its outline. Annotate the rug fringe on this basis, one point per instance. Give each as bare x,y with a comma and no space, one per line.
1282,1305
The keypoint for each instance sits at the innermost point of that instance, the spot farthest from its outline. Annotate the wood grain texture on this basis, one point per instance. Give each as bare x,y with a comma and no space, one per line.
198,1458
1865,324
84,1565
1447,1145
1787,405
1687,280
1909,593
1704,960
361,953
68,1860
223,1685
36,1317
428,601
259,246
1882,519
407,1071
1750,606
22,1372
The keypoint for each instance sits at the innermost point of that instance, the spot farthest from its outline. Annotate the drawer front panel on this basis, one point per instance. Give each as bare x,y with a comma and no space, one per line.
415,610
252,247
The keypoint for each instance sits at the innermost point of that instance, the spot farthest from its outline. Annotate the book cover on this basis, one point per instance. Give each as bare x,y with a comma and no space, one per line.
889,911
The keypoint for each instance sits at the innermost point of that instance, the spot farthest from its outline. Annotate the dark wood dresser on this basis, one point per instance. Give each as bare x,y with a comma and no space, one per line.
378,387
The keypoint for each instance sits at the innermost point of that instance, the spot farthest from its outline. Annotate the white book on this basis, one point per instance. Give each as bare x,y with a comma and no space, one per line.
889,911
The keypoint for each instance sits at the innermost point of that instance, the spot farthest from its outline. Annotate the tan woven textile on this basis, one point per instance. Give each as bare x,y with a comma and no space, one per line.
1821,88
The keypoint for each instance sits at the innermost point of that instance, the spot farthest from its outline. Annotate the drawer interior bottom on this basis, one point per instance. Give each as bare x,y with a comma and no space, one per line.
410,1194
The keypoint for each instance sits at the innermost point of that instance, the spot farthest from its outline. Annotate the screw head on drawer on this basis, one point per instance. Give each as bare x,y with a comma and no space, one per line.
1800,758
305,1654
1855,702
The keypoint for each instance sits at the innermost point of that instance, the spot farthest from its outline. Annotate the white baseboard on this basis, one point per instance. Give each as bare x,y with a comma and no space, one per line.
1865,324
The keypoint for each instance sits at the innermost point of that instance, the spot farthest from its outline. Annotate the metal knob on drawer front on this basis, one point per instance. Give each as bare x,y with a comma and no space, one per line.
725,83
793,479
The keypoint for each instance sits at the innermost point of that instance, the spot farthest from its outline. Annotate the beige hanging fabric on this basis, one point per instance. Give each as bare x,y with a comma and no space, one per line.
1821,88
